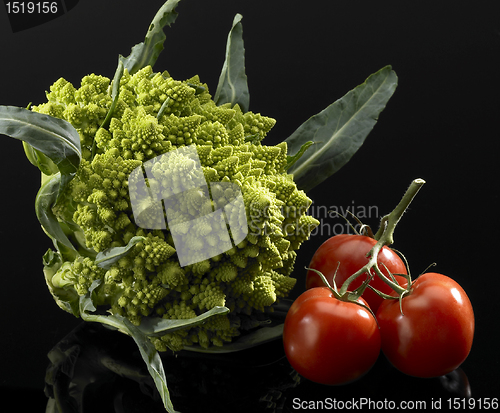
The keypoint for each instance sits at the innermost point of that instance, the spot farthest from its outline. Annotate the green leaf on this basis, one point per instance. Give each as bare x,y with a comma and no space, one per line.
339,130
115,93
40,160
156,327
44,201
146,53
153,362
30,154
290,160
65,298
55,138
163,107
233,86
107,258
86,304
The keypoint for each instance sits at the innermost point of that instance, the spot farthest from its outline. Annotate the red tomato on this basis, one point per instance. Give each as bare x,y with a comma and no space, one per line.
350,251
330,341
434,336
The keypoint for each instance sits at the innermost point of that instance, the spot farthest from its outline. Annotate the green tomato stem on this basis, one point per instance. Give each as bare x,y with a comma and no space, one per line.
385,236
389,222
351,297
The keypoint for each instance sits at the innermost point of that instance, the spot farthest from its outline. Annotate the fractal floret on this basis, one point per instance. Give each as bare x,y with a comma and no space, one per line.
202,212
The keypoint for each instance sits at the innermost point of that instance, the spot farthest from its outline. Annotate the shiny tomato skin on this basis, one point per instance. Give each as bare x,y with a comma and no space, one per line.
350,251
435,334
329,341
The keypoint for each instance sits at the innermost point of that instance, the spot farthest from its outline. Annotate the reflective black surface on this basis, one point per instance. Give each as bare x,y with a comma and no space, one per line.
100,370
94,369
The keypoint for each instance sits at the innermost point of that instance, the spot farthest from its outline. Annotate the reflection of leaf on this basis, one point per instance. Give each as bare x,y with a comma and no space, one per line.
233,87
339,130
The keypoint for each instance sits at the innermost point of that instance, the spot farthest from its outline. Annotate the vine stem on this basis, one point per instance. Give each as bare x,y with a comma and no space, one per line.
385,236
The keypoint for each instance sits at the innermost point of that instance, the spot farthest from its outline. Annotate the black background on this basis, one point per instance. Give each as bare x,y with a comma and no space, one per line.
441,125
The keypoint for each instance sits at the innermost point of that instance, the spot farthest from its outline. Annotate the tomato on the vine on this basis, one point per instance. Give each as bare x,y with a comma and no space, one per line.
346,254
434,336
330,341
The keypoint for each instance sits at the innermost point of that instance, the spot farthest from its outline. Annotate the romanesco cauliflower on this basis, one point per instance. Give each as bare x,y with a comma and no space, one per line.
155,115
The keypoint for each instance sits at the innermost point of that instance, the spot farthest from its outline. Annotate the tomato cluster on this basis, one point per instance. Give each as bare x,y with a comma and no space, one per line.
333,340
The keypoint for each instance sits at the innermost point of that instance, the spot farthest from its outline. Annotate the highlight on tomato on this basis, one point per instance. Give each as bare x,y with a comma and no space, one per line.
343,255
431,334
328,340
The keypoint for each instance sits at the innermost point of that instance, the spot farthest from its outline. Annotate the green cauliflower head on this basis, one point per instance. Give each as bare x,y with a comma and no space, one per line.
247,270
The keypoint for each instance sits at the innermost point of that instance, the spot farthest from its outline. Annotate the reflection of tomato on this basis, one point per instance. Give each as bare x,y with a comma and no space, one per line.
330,341
434,336
348,254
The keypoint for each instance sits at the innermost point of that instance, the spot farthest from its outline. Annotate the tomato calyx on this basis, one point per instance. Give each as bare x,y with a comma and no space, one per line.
347,296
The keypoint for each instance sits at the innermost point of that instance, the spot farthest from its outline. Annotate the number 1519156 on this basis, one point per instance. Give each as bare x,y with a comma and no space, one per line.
32,7
470,403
